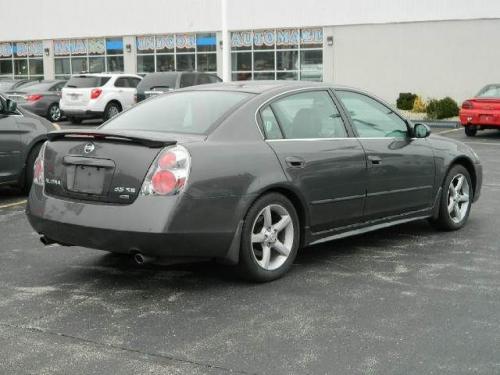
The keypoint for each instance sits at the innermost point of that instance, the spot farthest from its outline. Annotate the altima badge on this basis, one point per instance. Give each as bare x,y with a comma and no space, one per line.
89,147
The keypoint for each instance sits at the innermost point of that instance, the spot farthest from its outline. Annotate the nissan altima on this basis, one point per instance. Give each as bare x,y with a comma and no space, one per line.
247,174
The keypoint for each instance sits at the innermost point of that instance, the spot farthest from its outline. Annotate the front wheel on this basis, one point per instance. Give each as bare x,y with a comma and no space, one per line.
270,239
456,198
470,130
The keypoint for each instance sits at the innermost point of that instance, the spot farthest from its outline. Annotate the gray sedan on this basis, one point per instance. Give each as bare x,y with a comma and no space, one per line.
21,136
41,98
247,173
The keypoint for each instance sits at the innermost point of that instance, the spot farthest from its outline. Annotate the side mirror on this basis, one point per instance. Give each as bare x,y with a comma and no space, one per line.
10,106
421,130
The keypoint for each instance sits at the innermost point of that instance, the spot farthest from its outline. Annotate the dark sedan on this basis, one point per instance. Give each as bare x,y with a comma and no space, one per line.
41,98
247,173
21,136
12,84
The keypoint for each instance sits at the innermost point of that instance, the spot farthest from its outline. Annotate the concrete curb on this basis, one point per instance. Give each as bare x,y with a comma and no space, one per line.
440,124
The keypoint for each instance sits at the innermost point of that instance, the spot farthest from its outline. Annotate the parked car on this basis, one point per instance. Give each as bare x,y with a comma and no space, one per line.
482,111
247,173
21,136
12,84
89,96
158,83
41,98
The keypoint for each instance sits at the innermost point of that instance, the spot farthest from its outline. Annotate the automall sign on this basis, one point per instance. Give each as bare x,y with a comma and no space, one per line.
5,50
269,38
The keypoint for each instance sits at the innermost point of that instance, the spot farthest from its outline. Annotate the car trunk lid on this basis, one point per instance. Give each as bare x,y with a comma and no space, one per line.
101,166
486,103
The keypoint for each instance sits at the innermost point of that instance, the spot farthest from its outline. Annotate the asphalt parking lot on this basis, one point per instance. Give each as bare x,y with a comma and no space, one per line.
406,300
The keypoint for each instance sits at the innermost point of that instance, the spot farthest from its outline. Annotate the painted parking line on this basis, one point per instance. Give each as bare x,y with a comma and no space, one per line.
484,143
448,131
13,204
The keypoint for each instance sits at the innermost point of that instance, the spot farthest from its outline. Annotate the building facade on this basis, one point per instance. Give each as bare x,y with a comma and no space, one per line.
433,48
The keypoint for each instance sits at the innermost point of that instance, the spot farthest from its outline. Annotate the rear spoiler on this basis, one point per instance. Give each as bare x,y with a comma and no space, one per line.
132,137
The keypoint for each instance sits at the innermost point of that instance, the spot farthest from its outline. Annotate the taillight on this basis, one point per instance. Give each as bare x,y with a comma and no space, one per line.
467,105
38,168
168,173
33,97
95,93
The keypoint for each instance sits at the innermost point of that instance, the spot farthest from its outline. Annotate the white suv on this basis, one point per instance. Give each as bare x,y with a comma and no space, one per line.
103,95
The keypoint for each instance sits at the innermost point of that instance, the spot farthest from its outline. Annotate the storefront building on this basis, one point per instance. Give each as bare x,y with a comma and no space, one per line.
385,47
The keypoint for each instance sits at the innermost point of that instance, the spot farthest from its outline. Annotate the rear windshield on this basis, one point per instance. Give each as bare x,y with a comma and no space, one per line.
86,81
490,91
192,112
158,82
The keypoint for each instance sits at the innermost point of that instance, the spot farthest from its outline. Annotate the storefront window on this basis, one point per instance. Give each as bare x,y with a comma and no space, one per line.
73,56
21,60
177,52
288,54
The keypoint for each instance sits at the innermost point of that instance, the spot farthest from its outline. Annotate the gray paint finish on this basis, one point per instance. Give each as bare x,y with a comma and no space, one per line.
234,165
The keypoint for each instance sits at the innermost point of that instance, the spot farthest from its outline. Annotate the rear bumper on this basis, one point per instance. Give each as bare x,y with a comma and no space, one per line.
85,114
483,118
156,226
38,108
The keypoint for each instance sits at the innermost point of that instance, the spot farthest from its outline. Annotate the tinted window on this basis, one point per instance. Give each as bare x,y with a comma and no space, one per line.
121,82
181,112
87,81
133,82
187,80
371,118
270,124
203,79
158,81
309,115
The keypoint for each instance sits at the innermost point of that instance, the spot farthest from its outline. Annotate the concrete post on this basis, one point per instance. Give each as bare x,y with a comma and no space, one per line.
129,58
328,55
48,61
226,47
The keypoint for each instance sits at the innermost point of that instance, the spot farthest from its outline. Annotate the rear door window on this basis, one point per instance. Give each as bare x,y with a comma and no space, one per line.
122,82
270,124
309,114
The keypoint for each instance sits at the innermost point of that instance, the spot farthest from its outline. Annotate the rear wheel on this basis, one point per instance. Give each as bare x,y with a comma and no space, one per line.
30,163
456,198
269,239
470,130
54,113
111,110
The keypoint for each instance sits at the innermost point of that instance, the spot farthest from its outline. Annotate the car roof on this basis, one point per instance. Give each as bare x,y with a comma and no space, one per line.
260,87
112,75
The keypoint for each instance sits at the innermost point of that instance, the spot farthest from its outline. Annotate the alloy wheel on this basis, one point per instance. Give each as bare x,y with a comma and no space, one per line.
272,237
55,113
458,198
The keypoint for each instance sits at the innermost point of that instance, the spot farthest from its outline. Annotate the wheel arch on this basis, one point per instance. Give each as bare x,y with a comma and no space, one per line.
29,149
114,101
297,200
467,164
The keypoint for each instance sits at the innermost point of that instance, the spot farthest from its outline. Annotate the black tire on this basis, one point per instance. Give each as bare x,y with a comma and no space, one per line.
28,172
470,130
111,110
444,220
248,268
75,120
54,113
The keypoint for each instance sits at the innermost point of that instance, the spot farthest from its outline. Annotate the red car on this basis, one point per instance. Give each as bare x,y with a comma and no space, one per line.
482,111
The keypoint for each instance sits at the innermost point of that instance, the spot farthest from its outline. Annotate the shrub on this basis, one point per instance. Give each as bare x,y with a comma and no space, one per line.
419,105
405,100
441,109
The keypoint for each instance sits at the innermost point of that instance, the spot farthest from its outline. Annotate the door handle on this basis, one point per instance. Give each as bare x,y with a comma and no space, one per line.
375,160
295,162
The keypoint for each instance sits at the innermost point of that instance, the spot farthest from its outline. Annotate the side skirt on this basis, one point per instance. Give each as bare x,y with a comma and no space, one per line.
372,227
